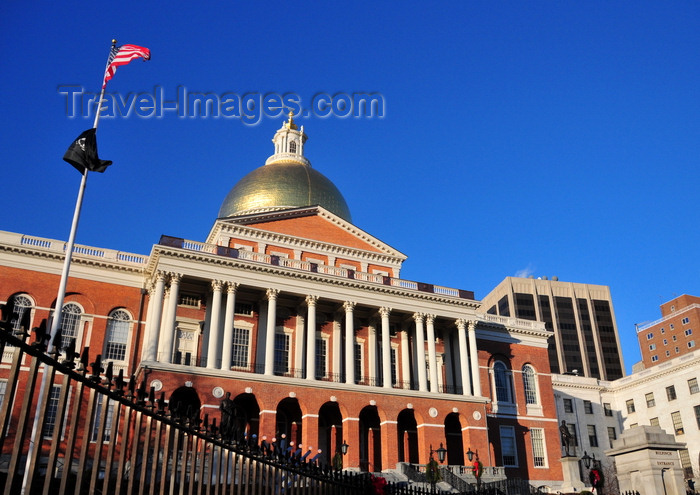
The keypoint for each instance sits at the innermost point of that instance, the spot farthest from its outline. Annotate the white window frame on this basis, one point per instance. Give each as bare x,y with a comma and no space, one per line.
127,339
247,327
538,447
326,341
503,405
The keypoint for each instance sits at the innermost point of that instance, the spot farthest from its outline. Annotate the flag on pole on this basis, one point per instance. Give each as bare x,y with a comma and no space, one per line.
122,55
82,154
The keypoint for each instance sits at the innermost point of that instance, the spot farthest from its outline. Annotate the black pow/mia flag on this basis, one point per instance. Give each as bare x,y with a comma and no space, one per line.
82,154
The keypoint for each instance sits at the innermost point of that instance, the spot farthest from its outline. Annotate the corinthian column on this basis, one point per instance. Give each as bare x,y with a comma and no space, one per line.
271,324
227,349
214,325
420,353
151,348
432,359
463,356
311,337
475,358
349,342
169,329
386,348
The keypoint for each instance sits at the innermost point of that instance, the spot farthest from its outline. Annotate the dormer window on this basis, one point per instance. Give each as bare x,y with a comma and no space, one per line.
293,147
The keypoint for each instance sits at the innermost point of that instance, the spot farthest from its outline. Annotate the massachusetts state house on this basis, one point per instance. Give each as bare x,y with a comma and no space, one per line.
303,320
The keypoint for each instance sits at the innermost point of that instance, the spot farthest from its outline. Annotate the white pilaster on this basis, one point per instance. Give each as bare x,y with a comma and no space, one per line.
151,349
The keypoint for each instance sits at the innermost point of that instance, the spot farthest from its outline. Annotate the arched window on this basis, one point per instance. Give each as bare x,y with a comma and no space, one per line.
293,147
70,324
117,335
21,313
529,384
501,377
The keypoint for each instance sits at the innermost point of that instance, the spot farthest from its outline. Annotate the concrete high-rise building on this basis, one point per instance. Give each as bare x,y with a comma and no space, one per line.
672,335
580,316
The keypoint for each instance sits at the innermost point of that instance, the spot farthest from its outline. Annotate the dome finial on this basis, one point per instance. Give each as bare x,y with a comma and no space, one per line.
290,123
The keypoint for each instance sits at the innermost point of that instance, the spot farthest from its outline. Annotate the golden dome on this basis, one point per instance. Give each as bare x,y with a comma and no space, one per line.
285,181
282,185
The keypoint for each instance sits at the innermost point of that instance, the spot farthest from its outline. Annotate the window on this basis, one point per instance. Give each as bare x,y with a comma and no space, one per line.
607,409
671,326
630,405
394,379
321,353
685,320
651,402
502,382
529,384
674,338
568,406
693,386
538,452
654,422
668,353
70,324
508,453
665,342
239,352
108,424
677,422
663,330
293,147
697,415
592,437
242,308
358,362
51,412
686,464
677,350
691,344
117,335
587,407
688,331
612,435
652,347
671,393
3,390
650,336
574,435
654,358
281,354
21,313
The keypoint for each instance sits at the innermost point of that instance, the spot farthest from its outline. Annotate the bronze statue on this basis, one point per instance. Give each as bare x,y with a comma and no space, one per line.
566,438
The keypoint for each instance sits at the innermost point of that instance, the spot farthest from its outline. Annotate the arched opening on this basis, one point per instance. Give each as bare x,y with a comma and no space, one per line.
330,430
184,403
289,420
453,439
370,440
407,437
249,405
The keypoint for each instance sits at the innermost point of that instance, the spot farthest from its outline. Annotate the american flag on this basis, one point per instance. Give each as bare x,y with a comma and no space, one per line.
122,55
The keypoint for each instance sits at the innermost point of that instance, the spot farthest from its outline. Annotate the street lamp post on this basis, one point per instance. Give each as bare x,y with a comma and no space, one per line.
476,467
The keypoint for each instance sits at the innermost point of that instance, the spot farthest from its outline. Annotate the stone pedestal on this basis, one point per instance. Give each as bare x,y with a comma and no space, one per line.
647,461
572,475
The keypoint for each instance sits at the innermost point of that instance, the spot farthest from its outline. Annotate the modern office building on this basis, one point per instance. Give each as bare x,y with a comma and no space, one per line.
581,317
674,334
302,317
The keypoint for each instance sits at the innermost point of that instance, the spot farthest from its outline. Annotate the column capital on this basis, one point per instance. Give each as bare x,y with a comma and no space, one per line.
429,319
311,300
461,323
161,275
348,306
216,285
175,277
418,317
272,294
232,287
472,325
384,312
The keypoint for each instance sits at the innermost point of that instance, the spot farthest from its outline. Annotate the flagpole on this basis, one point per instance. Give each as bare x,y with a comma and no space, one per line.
58,307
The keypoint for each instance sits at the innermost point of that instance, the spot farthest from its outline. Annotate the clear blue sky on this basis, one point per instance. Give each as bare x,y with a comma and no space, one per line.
537,137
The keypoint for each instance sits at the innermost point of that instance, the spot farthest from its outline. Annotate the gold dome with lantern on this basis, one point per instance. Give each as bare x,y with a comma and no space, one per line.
287,180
